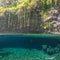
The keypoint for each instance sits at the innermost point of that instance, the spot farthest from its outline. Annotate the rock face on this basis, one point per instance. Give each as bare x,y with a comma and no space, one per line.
21,21
27,20
55,19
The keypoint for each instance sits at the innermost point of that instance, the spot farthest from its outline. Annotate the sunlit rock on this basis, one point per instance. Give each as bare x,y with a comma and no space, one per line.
59,17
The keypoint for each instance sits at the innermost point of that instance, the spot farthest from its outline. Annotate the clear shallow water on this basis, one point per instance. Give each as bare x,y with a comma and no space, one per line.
23,54
27,47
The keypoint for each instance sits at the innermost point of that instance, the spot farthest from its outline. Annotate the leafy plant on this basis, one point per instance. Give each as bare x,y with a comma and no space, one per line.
46,25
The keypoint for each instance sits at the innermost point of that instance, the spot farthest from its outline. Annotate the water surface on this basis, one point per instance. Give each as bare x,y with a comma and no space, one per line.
29,46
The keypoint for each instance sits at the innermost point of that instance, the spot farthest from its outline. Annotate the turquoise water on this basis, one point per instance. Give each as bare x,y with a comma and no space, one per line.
29,47
22,54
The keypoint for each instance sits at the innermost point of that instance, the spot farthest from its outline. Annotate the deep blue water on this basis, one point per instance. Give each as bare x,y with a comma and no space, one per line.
30,42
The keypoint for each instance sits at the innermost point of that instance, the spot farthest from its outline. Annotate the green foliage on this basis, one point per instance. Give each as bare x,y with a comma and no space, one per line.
45,4
36,9
46,25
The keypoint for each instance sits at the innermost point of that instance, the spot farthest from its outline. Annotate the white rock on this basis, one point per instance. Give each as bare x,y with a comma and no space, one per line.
59,17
